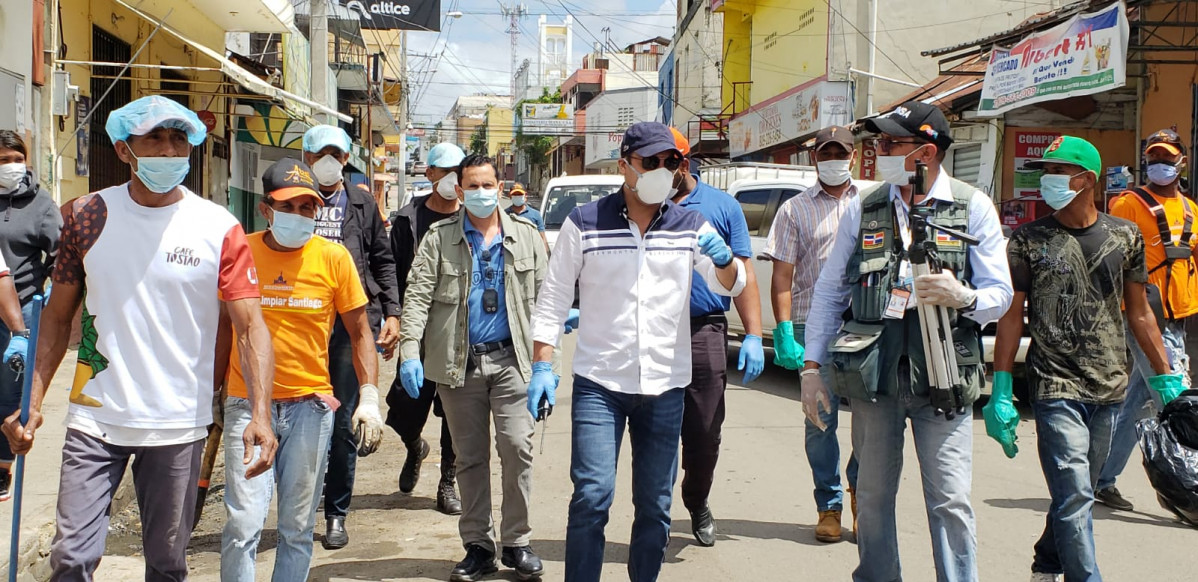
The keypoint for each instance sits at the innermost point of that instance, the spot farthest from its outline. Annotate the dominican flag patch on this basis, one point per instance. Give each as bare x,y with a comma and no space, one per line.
946,240
873,240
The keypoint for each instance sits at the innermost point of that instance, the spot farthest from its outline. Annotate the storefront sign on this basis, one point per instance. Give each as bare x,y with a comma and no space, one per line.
547,118
1029,146
1084,55
797,115
397,14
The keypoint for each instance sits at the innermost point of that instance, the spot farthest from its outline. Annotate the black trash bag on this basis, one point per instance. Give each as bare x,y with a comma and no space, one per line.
1183,418
1172,467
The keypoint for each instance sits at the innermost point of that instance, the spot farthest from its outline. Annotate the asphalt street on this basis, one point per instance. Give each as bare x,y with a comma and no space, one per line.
762,503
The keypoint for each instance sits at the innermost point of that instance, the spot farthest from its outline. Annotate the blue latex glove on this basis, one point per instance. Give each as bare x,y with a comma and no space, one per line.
1169,386
753,354
1000,414
714,247
18,347
543,383
411,375
572,321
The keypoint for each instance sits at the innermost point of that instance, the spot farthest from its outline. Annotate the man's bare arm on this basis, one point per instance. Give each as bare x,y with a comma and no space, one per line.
748,303
366,361
1143,326
780,298
258,369
1010,329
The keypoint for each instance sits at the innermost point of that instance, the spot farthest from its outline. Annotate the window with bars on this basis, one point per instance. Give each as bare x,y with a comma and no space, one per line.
105,169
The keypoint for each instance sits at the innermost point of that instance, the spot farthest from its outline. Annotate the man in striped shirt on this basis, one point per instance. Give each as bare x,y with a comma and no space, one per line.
634,255
799,243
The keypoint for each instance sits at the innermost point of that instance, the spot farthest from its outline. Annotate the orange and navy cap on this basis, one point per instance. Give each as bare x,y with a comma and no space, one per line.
289,178
1166,139
681,142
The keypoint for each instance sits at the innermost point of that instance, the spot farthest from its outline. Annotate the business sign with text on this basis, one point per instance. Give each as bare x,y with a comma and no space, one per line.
397,14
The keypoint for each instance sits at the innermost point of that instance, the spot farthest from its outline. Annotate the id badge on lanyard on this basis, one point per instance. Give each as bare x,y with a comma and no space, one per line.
901,297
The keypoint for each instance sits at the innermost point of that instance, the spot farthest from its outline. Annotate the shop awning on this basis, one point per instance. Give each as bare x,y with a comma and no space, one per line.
230,15
294,104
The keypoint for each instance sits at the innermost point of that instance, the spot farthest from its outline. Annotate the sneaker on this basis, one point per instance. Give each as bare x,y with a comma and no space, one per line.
1112,498
5,485
1045,577
828,528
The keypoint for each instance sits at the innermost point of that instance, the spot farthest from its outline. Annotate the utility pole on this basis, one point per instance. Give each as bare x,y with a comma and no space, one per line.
401,180
318,39
514,13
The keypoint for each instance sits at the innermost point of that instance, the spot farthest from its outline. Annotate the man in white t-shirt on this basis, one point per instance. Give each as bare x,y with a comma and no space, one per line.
159,265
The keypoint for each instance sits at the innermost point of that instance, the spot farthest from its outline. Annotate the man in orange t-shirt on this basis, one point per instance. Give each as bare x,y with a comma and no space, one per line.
306,281
1172,268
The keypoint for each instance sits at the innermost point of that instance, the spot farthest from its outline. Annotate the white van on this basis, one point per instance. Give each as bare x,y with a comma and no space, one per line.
564,194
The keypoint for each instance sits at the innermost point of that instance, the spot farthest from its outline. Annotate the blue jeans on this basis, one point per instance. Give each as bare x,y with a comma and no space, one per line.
823,455
1073,439
654,428
303,428
343,447
1138,394
945,452
10,383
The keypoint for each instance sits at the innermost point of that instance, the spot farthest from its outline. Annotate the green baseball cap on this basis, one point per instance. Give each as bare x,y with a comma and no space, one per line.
1067,149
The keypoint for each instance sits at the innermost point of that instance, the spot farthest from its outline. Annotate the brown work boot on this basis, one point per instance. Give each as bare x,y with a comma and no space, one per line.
828,529
853,505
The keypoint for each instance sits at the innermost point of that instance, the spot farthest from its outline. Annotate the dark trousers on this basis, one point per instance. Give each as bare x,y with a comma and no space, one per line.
408,416
164,479
343,447
703,416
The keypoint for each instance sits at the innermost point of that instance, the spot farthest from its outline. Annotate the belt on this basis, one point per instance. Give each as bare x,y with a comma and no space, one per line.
294,399
709,318
484,348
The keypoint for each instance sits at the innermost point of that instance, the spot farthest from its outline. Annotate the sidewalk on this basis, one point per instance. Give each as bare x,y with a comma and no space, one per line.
41,484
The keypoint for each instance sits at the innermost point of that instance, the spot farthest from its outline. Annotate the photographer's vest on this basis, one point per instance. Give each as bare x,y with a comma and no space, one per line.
866,354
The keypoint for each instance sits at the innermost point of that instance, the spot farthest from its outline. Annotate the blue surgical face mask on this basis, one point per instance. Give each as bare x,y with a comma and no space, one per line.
481,202
1162,173
518,200
161,175
1054,188
292,230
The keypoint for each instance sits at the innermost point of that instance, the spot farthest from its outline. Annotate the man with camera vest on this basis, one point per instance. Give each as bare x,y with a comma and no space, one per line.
877,358
1166,221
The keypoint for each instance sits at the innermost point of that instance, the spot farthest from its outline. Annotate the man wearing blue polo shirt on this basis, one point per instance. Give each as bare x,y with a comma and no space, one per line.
703,415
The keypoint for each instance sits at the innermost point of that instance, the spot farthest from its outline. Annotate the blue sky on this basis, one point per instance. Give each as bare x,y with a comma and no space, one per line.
476,52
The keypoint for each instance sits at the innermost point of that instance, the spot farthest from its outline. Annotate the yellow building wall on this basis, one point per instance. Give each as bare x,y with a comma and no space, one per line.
78,17
789,45
499,129
738,30
1168,90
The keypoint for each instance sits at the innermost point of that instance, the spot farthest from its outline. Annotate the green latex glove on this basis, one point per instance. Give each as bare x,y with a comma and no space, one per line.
1000,414
1169,386
787,352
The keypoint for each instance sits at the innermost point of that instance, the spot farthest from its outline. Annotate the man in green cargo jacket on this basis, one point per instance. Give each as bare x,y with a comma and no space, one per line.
469,299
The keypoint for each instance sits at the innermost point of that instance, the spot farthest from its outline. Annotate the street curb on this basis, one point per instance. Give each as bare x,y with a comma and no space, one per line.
33,560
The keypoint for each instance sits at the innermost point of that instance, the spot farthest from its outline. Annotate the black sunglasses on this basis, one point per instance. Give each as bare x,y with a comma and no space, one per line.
653,162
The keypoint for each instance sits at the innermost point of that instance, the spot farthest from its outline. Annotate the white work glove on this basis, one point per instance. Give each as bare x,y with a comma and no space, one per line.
814,397
943,288
367,422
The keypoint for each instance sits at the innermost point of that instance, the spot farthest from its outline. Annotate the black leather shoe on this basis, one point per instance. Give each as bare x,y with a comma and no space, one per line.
447,499
703,527
522,559
335,536
409,475
479,562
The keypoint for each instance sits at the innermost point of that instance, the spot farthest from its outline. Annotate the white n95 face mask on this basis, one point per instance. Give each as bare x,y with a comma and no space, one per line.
327,170
653,187
893,170
445,186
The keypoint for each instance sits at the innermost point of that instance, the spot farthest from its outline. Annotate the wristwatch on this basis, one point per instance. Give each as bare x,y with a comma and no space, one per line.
23,333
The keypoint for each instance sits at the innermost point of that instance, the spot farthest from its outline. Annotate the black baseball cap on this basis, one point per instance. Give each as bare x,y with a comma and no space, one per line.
648,138
834,134
913,119
289,178
1167,139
